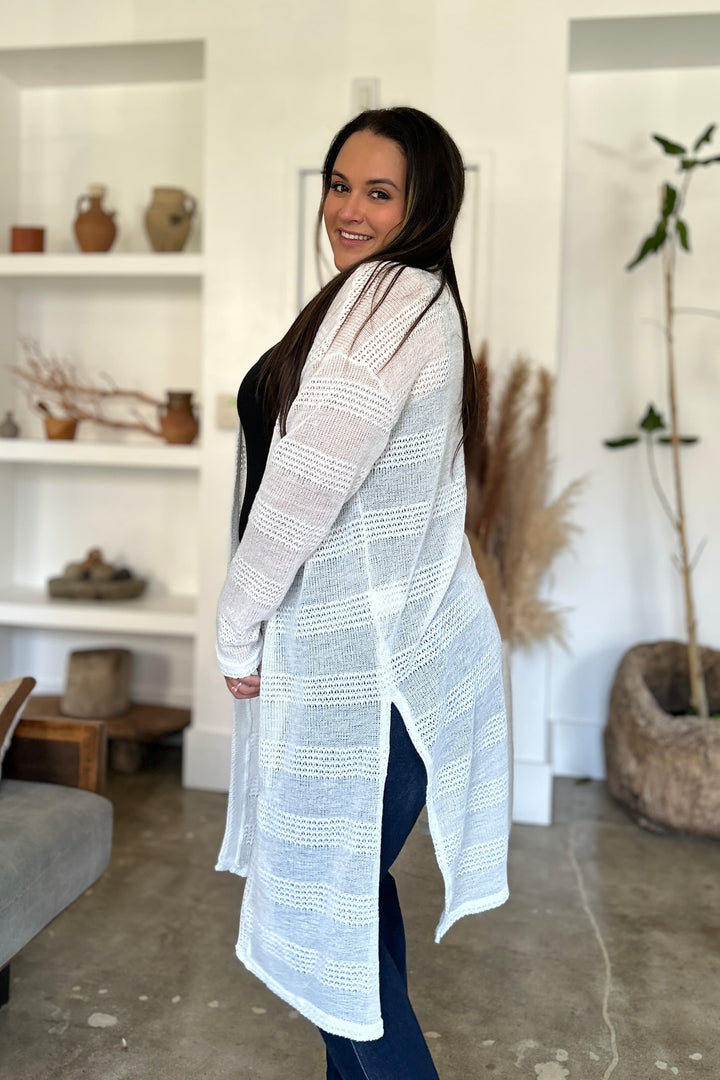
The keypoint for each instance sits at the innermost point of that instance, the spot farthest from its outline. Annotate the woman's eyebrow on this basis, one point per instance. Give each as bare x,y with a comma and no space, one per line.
369,183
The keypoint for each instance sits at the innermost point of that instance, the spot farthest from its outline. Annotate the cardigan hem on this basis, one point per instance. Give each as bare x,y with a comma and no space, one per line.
321,1019
470,907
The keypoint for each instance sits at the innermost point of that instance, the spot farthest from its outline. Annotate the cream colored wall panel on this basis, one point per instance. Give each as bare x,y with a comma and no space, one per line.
130,138
9,157
620,587
608,9
161,669
148,521
145,335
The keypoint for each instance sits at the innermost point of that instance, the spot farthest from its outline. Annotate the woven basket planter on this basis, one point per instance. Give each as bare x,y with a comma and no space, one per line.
662,765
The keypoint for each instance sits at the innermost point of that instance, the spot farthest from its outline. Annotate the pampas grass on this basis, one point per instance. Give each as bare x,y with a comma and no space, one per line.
515,534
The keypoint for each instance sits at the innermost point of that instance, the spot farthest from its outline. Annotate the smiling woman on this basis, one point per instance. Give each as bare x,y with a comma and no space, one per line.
365,205
353,584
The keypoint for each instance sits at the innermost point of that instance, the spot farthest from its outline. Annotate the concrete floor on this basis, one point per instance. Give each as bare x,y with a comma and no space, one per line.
605,962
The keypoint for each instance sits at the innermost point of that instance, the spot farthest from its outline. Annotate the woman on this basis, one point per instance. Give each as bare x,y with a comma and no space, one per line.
354,585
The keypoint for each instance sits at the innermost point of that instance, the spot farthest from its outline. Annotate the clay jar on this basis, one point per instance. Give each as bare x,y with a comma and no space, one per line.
9,429
94,228
27,239
178,423
60,427
168,218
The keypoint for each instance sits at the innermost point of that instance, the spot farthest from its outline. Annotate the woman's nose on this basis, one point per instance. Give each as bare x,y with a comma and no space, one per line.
350,210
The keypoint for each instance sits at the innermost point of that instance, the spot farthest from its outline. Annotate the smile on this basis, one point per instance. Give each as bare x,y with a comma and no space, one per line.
353,236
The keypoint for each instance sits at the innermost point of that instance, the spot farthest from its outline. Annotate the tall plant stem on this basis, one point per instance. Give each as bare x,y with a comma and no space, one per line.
698,695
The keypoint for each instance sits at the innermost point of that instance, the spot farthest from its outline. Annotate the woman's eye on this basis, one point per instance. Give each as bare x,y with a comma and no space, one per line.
337,186
379,195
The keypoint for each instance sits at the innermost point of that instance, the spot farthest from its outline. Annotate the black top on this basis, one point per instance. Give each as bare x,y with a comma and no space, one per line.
257,432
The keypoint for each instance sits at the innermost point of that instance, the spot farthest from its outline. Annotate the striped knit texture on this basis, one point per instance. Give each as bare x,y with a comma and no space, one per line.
355,587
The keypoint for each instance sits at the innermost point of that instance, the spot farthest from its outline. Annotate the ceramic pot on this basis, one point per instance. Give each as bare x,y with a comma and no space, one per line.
95,228
26,239
8,428
179,423
168,218
60,427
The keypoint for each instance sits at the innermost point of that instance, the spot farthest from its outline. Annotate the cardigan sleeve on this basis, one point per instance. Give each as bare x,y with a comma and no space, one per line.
337,428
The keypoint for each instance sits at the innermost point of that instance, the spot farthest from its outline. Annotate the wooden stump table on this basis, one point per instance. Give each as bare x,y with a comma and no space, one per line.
127,734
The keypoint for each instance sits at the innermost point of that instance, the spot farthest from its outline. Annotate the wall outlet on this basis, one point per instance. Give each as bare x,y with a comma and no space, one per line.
226,417
364,94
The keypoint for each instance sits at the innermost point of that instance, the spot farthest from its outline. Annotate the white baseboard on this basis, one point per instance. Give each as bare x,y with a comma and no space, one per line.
577,749
532,793
206,759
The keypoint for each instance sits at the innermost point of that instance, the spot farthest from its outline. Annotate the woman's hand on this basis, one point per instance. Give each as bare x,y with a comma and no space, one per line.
249,687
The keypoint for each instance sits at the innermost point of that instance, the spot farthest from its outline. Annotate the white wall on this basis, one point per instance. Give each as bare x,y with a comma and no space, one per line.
620,585
161,669
278,83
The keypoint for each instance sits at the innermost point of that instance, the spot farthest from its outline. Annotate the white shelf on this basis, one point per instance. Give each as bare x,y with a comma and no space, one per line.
165,616
105,264
113,455
104,65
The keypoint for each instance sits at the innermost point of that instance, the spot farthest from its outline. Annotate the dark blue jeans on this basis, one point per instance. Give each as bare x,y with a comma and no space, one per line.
401,1053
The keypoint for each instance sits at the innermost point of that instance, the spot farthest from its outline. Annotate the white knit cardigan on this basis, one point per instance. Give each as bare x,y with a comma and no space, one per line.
355,586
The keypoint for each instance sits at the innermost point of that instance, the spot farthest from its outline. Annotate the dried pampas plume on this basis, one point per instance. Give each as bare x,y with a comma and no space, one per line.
515,534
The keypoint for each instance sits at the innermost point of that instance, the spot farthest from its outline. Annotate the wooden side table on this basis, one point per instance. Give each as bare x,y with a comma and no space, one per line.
127,734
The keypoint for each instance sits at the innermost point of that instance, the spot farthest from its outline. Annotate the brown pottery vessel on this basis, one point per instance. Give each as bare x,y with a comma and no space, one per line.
60,427
95,228
168,218
27,239
179,423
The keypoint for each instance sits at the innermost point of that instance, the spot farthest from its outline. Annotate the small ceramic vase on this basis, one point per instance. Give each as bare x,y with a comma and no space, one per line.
179,423
27,239
60,427
8,428
95,228
168,218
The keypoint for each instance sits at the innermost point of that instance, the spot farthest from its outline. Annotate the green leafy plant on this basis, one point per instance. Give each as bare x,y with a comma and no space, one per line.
671,232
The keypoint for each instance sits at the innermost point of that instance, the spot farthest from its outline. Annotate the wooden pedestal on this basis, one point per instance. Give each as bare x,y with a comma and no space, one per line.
127,733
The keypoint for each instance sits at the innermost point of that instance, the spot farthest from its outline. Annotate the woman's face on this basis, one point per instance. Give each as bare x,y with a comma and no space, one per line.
365,205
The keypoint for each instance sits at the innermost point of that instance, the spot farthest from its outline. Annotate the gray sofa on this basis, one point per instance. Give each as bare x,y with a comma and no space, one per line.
55,826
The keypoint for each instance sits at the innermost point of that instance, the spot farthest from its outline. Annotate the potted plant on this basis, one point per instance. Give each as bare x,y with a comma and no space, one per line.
662,745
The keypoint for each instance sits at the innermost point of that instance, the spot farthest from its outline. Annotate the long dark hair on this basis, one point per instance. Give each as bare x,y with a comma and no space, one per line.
435,186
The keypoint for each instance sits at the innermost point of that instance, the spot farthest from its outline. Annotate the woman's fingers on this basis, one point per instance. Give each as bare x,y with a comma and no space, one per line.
248,687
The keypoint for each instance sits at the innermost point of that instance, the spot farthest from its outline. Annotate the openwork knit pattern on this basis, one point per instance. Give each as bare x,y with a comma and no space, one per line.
355,586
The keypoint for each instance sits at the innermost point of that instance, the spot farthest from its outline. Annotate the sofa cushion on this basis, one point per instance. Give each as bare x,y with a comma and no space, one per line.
54,843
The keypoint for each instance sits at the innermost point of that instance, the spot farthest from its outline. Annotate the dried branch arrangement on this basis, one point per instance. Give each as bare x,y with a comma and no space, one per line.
53,384
515,534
